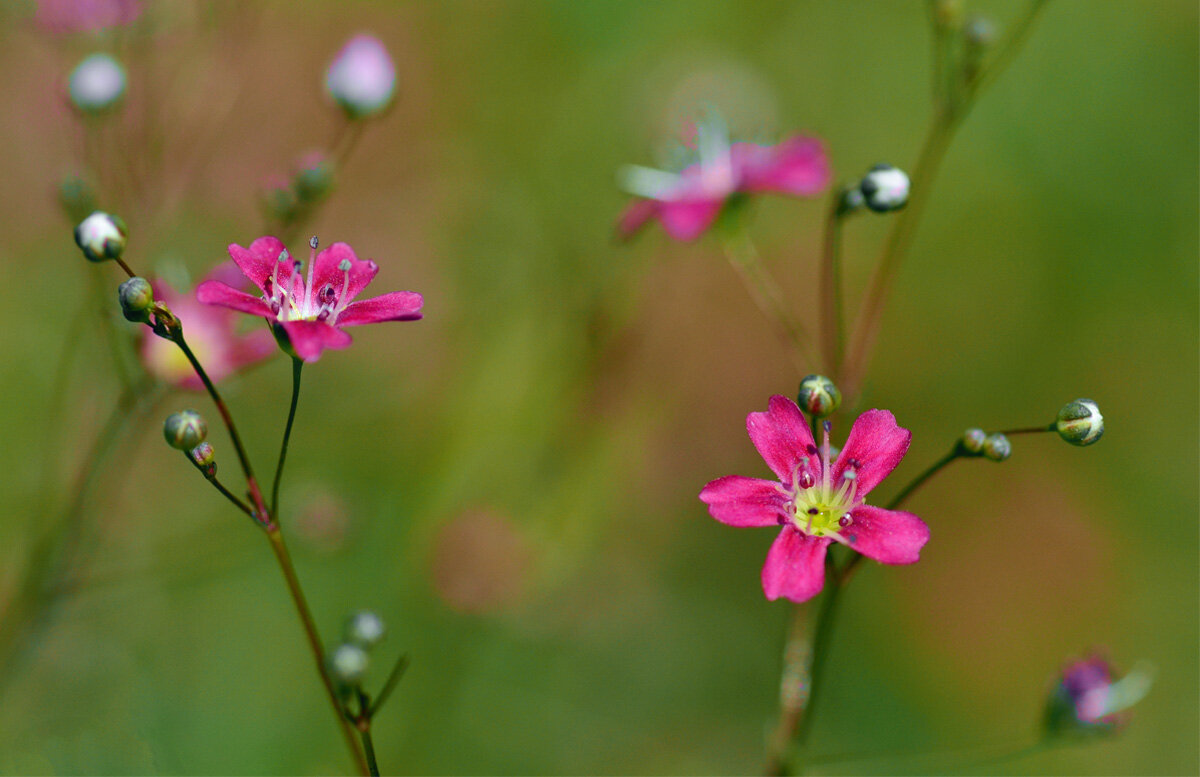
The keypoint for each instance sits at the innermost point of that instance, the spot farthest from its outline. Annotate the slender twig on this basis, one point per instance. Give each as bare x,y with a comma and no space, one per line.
389,685
767,295
125,267
832,332
297,364
212,478
1030,430
314,640
919,481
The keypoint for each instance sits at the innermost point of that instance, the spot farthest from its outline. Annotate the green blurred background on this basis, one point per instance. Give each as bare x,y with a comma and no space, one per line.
511,482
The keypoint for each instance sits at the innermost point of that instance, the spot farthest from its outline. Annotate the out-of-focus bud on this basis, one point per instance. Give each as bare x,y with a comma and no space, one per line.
314,178
347,664
1088,699
1080,422
137,299
979,32
278,200
818,396
885,188
997,447
185,430
850,200
948,14
96,84
205,458
361,77
76,197
365,629
101,236
973,440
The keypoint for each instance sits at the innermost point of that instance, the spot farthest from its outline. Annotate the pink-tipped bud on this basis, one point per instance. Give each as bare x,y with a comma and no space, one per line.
96,84
362,77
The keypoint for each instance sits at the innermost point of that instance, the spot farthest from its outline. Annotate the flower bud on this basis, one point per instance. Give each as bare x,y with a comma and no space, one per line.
818,396
885,188
973,440
1080,422
365,629
96,84
137,299
997,447
278,200
1088,699
101,236
185,430
76,197
314,178
361,77
348,663
979,32
205,458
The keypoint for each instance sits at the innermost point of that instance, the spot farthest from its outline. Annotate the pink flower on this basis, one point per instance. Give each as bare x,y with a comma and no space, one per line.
1090,699
362,77
817,501
309,313
211,334
68,16
687,203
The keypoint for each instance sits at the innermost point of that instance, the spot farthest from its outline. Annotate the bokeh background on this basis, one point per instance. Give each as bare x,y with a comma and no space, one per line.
511,482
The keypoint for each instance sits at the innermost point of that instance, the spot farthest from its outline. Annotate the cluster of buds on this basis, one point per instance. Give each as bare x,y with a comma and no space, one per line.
186,431
349,661
287,199
1078,422
976,442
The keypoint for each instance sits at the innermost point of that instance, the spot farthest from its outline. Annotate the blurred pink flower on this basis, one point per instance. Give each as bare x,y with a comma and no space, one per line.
362,77
309,313
211,334
687,203
69,16
818,501
1090,699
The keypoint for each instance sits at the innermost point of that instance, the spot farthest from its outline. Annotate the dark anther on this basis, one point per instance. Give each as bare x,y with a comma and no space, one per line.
813,511
812,450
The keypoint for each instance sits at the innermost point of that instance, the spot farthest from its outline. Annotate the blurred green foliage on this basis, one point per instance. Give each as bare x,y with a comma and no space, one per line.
511,483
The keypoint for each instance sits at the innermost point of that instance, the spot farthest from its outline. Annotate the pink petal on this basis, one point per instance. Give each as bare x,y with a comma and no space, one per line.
326,272
888,536
309,338
687,219
258,262
393,306
739,501
217,293
250,348
795,567
797,166
635,217
782,437
875,446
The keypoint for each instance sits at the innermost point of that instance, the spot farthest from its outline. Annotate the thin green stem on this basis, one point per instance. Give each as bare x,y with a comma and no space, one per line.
793,691
369,748
955,452
314,641
212,478
832,327
768,297
1030,430
297,364
125,267
389,685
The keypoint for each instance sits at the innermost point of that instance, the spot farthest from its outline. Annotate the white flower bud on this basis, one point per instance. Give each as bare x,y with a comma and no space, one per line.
885,188
348,663
997,447
1080,422
101,236
361,77
96,83
365,629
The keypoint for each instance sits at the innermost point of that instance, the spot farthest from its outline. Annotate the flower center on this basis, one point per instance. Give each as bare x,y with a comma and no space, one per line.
295,299
818,507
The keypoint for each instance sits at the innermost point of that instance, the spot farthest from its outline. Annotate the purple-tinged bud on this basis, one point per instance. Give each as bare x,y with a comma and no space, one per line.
137,299
101,236
818,396
973,440
997,447
96,84
365,629
1080,422
347,664
1088,699
185,430
205,458
885,188
362,77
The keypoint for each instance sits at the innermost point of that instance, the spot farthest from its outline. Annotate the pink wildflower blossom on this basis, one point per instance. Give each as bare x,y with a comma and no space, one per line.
1090,699
309,312
816,500
687,203
211,334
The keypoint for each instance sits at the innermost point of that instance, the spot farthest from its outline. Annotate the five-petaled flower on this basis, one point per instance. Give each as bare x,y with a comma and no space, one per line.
309,313
816,500
211,333
687,203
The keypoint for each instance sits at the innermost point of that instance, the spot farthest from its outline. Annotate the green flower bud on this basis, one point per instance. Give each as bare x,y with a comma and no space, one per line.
1080,422
818,396
314,178
101,236
205,458
347,664
365,629
973,440
997,447
76,197
185,430
136,298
